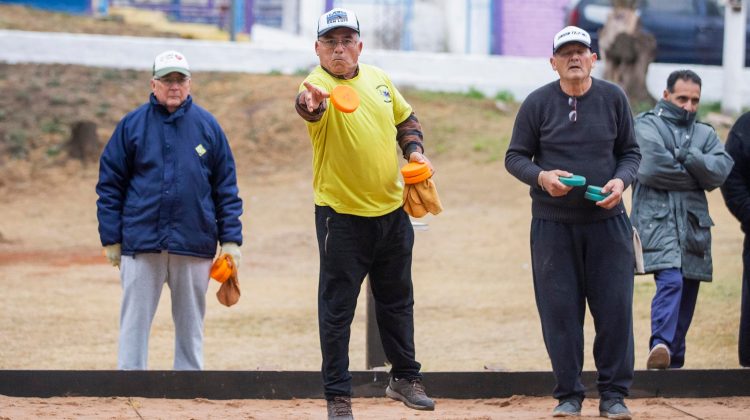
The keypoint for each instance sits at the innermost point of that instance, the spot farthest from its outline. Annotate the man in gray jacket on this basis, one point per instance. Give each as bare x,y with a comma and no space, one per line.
682,159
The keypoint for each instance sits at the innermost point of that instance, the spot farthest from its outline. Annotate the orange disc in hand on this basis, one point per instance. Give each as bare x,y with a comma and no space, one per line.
414,172
413,169
418,178
222,268
344,98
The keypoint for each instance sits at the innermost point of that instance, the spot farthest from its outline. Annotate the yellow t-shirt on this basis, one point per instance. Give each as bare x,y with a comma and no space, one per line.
355,157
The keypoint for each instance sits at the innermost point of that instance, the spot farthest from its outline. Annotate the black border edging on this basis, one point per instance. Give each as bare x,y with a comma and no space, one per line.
222,385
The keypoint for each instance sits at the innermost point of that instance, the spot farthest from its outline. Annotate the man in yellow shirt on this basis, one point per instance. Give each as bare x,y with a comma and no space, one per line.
361,226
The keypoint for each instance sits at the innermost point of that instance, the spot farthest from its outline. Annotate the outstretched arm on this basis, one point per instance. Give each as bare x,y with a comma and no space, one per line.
311,103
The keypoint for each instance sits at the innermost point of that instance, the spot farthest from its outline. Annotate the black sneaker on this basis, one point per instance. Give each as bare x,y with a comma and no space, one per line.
340,408
410,392
567,408
614,408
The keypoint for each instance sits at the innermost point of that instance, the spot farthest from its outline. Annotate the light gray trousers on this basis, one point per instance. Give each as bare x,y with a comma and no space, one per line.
143,278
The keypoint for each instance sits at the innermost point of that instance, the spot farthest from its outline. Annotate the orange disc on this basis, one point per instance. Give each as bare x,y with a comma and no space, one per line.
418,178
413,169
344,98
222,268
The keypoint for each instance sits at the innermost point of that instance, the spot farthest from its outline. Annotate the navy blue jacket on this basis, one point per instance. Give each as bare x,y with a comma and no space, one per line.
167,182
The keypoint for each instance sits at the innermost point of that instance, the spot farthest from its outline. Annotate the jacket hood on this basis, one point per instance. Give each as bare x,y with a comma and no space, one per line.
674,113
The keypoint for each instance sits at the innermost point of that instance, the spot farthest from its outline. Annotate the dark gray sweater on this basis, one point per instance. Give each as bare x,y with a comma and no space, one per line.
600,145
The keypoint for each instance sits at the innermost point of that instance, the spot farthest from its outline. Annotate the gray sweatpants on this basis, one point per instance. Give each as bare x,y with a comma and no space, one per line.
143,277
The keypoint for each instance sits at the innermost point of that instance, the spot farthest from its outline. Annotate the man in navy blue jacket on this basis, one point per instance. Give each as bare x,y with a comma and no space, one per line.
167,193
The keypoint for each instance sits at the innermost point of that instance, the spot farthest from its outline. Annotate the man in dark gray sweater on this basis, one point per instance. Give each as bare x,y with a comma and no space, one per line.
581,249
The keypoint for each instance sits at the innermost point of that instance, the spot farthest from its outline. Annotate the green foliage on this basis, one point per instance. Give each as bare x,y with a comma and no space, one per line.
707,107
492,147
505,96
53,150
52,126
17,141
473,93
638,107
103,109
275,72
56,100
111,74
23,96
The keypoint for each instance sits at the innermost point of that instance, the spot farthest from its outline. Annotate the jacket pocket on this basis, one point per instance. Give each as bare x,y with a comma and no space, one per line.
698,235
654,227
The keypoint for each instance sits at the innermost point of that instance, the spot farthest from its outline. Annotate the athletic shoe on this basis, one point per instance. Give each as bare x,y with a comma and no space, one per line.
658,357
614,408
340,408
410,392
567,408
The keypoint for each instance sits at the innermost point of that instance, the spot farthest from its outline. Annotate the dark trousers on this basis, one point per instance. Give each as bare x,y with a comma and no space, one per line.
575,264
744,342
351,247
672,311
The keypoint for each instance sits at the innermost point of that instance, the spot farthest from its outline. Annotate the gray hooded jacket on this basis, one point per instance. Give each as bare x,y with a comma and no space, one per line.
681,160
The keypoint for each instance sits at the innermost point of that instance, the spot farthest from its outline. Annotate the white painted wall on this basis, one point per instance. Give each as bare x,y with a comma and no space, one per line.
430,71
309,12
733,57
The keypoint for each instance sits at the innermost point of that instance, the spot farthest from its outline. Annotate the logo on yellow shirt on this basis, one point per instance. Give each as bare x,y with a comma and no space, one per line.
383,89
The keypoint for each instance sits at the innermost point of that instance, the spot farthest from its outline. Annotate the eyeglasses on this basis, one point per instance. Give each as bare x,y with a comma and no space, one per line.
332,43
181,81
573,115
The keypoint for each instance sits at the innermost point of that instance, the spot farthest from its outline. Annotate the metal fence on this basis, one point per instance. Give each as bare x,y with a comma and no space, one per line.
214,12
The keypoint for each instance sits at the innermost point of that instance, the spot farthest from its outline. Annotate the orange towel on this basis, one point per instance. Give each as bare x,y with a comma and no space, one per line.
422,198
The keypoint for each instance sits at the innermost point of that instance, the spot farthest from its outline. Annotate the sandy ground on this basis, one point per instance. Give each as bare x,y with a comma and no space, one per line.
516,407
474,298
473,292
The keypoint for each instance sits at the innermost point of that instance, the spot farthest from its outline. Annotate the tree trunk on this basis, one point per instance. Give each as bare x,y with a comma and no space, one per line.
84,143
627,52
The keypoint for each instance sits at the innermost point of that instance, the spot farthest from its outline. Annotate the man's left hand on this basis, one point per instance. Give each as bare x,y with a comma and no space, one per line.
232,249
615,187
420,158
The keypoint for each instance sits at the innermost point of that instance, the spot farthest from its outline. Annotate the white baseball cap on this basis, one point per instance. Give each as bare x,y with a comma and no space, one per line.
170,61
571,34
337,18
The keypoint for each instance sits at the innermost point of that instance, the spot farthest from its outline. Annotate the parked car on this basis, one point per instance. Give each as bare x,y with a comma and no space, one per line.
686,31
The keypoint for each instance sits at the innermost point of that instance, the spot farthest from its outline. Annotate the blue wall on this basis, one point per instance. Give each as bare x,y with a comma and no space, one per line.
68,6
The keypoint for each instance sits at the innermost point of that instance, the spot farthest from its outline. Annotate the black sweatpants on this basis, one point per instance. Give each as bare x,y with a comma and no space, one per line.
744,340
351,247
576,264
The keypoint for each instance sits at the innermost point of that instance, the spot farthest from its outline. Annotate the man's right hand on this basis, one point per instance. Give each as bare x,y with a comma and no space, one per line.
112,252
313,96
550,182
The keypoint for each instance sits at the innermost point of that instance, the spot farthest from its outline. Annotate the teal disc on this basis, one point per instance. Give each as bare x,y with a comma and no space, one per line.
573,181
593,189
594,197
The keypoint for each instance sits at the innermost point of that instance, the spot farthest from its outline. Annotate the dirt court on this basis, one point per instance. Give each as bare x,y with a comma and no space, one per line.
474,298
474,303
516,407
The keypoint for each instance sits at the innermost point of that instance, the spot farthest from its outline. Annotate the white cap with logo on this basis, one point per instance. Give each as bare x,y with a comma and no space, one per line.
571,34
170,61
337,18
